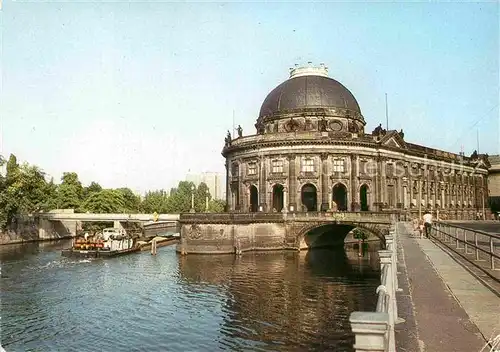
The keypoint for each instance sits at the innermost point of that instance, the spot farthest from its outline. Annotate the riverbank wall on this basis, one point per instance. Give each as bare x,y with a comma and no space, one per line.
26,228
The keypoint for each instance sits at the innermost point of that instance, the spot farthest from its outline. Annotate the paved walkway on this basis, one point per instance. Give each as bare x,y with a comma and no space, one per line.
446,309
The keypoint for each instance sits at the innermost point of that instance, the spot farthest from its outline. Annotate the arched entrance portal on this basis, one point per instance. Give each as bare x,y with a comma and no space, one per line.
339,196
277,197
363,197
309,198
254,199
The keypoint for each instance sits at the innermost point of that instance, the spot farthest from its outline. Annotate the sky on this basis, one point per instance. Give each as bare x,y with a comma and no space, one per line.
138,94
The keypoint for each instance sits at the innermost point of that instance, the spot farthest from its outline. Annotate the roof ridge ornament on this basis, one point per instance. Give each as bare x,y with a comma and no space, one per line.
309,70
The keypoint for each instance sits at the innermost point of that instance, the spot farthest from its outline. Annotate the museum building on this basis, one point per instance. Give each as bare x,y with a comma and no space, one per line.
311,152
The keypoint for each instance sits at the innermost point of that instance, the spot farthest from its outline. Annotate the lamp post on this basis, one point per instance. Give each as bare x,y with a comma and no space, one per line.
192,199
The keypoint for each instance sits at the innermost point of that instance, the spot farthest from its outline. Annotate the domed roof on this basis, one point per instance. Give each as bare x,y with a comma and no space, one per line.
308,87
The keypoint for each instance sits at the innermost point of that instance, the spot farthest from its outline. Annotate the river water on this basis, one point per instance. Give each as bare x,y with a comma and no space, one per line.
266,301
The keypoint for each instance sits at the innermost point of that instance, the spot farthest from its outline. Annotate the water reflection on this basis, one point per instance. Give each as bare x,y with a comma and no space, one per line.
281,301
16,251
288,300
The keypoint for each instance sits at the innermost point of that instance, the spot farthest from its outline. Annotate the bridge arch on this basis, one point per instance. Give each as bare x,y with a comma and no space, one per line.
317,234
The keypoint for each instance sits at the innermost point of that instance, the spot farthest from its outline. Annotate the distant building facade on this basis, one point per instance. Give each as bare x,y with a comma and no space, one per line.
494,183
214,181
311,152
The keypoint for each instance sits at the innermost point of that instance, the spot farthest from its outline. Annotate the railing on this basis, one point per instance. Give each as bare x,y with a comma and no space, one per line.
479,241
107,217
374,331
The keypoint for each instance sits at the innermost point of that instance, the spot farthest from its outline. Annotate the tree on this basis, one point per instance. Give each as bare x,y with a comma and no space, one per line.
200,197
216,206
93,187
180,198
51,190
12,170
70,194
155,201
132,203
23,190
30,187
105,201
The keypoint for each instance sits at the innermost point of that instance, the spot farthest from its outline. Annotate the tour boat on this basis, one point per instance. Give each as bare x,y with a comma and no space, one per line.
112,242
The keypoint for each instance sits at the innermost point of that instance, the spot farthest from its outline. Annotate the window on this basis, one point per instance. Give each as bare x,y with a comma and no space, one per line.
338,165
390,195
277,166
252,169
390,169
235,170
308,165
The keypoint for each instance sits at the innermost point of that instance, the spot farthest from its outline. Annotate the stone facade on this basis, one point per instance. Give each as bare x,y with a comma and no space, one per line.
312,157
236,233
494,184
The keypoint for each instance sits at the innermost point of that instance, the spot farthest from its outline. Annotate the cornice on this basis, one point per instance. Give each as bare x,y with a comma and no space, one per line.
375,146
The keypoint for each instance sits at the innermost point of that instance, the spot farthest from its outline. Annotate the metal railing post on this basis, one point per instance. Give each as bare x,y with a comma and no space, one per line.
491,254
475,244
465,241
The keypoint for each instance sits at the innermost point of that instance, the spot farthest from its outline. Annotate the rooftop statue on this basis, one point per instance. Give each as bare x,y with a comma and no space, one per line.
322,125
379,130
227,140
240,131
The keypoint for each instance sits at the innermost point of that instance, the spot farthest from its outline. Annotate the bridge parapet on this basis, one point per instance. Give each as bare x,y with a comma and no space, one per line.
357,217
374,331
231,218
107,217
244,218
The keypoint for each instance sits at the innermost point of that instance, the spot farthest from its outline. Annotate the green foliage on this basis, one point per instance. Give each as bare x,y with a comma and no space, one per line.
155,201
93,187
105,201
131,202
70,192
359,234
24,189
201,197
180,197
216,206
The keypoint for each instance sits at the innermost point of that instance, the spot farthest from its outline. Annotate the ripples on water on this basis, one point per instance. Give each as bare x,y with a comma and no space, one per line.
282,301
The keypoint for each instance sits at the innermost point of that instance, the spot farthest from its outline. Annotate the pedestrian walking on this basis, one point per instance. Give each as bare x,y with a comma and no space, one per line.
427,223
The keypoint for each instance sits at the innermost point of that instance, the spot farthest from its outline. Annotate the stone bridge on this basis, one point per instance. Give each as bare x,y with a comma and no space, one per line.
237,232
65,222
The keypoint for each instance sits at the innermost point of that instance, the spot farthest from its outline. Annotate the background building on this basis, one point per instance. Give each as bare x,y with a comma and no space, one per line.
494,183
311,153
212,179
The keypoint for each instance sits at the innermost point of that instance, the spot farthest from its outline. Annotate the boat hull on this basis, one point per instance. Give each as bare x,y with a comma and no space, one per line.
80,253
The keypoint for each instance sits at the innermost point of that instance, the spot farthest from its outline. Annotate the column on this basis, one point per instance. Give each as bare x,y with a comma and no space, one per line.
242,189
324,182
228,194
399,191
262,185
292,181
356,202
285,199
